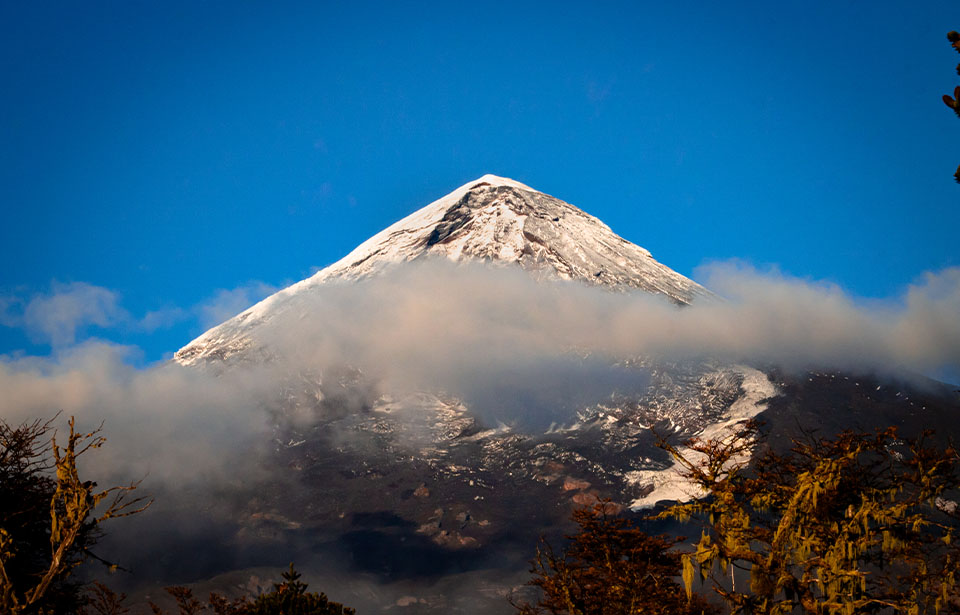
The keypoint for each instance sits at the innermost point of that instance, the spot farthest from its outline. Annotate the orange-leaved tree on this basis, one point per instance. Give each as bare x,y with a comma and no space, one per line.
610,567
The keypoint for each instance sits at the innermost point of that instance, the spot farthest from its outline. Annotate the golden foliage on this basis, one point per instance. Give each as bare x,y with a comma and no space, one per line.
611,567
854,524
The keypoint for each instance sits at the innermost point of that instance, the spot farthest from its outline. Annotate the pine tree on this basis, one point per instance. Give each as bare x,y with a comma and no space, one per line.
289,597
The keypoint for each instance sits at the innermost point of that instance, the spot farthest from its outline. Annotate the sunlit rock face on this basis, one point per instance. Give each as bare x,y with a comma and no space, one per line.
428,499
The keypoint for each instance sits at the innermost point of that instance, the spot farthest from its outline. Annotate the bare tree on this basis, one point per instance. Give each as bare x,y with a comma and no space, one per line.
33,575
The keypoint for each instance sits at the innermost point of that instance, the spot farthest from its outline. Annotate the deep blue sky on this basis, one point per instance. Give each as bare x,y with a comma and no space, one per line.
165,152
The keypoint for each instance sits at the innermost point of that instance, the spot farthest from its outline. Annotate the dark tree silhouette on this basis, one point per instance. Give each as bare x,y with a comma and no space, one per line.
290,597
954,101
49,517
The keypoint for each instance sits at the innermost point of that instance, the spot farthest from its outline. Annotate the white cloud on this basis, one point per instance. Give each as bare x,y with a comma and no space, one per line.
63,316
461,330
56,317
163,318
226,304
163,421
433,321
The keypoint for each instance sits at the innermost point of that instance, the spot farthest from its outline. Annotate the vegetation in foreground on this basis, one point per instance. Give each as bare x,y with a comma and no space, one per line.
611,567
50,520
860,523
289,597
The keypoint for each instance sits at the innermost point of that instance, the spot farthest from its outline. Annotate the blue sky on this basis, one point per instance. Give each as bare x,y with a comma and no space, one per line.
164,164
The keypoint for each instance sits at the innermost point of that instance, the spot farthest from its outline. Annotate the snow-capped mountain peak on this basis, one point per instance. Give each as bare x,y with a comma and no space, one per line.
498,219
491,219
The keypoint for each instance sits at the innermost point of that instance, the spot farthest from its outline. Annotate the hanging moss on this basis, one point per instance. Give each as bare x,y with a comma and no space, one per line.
843,525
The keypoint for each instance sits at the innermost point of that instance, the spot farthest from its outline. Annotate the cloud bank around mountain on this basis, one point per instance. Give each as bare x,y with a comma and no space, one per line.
472,331
437,324
480,333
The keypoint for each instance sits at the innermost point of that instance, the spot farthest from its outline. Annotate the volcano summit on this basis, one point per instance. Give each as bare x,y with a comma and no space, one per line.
491,219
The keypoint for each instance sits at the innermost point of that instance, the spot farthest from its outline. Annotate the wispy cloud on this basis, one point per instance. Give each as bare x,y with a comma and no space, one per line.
56,317
434,321
9,307
69,313
473,330
227,303
163,318
477,315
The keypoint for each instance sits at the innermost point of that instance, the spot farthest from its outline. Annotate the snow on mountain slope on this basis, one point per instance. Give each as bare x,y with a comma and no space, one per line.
670,484
491,219
498,219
